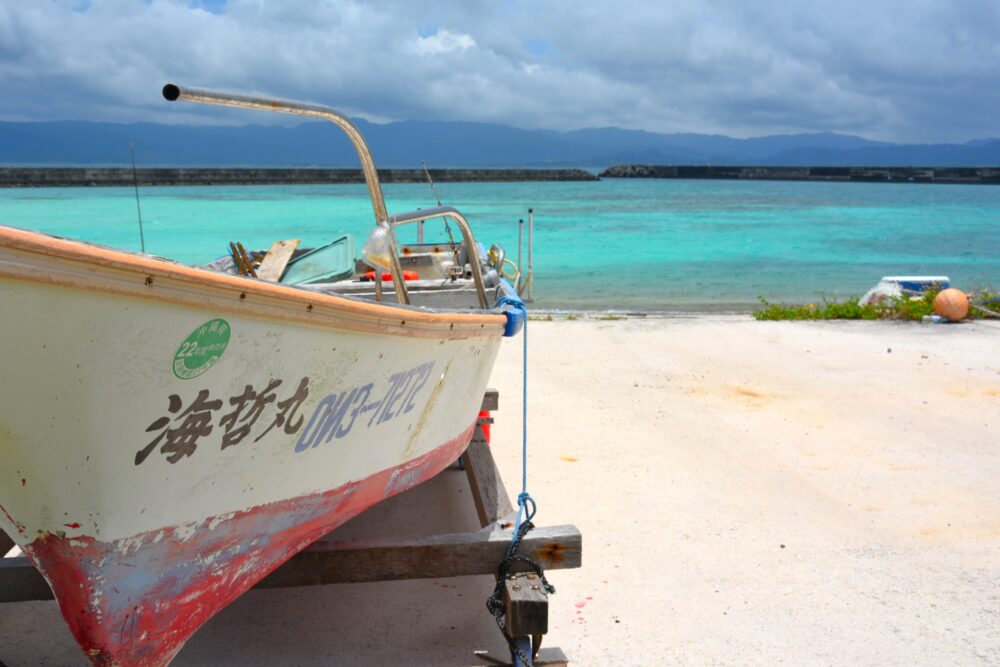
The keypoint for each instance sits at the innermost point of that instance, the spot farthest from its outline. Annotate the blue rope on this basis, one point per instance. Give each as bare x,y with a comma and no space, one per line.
520,647
525,503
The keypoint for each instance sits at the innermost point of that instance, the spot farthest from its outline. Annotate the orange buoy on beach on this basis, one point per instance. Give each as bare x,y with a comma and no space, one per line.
952,303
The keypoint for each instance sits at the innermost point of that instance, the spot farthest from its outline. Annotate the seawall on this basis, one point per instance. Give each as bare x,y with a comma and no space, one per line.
118,176
973,175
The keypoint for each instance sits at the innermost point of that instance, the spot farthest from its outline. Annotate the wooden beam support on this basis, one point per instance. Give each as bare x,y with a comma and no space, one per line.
329,562
491,400
6,544
439,556
488,491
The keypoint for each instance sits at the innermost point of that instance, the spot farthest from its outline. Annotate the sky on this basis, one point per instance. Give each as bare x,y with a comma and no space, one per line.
914,71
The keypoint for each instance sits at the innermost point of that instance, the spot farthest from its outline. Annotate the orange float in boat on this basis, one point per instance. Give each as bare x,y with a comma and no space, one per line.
387,277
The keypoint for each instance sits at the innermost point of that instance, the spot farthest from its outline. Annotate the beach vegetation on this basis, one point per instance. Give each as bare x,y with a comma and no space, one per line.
540,318
571,317
611,318
895,308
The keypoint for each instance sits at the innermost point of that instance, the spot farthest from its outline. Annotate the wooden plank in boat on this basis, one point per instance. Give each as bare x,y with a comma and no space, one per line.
277,258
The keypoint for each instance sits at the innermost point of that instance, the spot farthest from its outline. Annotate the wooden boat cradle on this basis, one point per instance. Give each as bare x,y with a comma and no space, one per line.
333,561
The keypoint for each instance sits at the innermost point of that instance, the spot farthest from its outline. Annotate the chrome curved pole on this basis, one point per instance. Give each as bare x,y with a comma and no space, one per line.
463,225
173,93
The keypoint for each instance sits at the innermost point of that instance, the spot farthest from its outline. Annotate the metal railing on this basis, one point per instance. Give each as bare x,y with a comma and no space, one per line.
173,92
463,225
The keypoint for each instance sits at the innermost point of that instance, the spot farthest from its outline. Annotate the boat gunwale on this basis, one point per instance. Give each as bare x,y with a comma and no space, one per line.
73,263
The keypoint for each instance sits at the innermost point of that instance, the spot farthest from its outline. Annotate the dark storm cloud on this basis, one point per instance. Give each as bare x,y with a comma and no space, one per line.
915,71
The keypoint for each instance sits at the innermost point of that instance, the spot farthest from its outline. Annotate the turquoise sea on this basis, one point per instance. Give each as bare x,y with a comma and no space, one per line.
648,245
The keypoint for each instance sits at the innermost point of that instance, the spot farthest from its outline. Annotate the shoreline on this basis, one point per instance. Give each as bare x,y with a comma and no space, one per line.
630,313
562,315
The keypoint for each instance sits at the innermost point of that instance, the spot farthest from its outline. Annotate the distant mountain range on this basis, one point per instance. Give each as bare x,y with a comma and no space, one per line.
454,144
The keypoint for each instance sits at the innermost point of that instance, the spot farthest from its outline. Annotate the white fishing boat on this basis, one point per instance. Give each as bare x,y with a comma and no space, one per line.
892,287
170,434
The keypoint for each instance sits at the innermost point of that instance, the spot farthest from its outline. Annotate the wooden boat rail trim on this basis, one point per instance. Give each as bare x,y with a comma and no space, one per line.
463,225
172,93
40,258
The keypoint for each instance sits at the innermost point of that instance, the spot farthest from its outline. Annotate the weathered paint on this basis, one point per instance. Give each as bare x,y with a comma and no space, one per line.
136,600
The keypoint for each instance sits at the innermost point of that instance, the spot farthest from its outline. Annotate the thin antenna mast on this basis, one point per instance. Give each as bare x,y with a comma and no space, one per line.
447,227
431,182
135,182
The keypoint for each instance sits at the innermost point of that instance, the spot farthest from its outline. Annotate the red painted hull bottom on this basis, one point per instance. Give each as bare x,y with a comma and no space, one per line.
136,601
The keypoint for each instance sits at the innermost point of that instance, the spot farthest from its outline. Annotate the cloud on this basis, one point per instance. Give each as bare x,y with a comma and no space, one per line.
924,74
442,41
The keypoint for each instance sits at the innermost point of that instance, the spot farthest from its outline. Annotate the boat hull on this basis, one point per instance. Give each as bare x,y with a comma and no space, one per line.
168,437
136,600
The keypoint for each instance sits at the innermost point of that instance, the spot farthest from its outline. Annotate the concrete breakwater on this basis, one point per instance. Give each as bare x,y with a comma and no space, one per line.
973,175
118,176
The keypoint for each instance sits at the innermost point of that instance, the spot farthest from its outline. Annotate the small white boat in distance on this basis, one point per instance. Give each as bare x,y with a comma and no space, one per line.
169,435
898,286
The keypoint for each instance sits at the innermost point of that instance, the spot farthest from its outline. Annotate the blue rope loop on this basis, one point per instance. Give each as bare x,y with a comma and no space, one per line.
527,505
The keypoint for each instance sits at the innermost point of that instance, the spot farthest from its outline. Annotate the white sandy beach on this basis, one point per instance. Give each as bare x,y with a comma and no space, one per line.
748,493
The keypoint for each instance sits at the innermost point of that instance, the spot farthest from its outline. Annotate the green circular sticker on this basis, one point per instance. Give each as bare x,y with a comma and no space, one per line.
201,349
